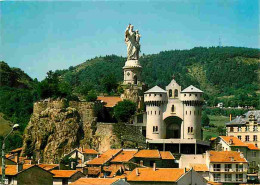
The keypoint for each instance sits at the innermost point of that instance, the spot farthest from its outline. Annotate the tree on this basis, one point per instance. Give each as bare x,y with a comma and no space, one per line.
109,83
205,119
124,110
92,96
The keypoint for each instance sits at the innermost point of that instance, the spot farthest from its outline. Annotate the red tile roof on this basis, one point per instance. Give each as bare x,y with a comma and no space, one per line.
110,101
199,167
124,156
64,173
159,175
105,157
234,140
48,167
148,154
252,147
89,151
13,170
95,181
16,150
226,157
167,155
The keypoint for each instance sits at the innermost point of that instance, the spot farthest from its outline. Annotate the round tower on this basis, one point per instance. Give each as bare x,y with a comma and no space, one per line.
155,100
192,99
132,72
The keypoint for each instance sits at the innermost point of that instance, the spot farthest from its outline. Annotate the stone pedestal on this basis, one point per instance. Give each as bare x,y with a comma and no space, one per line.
132,72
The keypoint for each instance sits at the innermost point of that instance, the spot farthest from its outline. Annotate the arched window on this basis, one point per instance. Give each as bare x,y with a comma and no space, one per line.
173,108
170,93
135,80
176,94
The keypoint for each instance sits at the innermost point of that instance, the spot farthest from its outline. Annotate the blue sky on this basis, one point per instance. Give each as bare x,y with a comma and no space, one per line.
42,36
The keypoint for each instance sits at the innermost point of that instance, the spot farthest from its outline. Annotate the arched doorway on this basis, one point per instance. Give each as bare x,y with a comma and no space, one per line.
173,127
135,80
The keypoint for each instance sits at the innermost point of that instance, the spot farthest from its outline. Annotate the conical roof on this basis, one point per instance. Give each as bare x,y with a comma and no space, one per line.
192,89
156,89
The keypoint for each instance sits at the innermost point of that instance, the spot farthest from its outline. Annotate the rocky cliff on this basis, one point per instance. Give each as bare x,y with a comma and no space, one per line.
57,126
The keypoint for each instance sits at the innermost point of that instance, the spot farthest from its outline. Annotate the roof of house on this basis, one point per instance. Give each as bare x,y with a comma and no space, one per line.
199,167
89,151
95,181
167,155
215,183
12,170
226,157
148,154
103,158
64,173
192,89
110,101
233,141
159,175
48,167
252,147
16,150
156,89
124,156
241,120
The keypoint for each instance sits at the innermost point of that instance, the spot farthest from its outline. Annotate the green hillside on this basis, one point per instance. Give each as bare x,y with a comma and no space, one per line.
231,74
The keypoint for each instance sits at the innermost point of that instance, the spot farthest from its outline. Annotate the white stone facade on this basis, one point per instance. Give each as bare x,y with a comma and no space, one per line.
172,113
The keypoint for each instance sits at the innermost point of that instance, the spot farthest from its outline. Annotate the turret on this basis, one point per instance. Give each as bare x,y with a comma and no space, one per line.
192,99
155,99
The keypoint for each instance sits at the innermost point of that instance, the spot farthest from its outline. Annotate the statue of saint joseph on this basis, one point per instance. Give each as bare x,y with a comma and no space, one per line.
132,39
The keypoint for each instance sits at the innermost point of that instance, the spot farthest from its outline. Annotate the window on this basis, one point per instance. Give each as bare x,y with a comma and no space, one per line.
247,137
155,112
176,93
247,128
255,128
151,112
228,177
255,137
217,177
239,128
149,94
184,94
160,95
239,177
155,128
190,130
170,93
173,110
196,95
239,137
186,112
239,167
253,153
227,167
154,94
231,129
190,94
190,112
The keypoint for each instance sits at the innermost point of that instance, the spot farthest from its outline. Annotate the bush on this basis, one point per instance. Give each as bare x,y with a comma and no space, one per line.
92,96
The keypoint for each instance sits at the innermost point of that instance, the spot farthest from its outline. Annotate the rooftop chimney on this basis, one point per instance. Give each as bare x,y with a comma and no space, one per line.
154,166
137,172
230,117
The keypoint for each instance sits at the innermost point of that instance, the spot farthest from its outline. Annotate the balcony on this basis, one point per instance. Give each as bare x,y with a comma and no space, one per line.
216,169
228,170
239,169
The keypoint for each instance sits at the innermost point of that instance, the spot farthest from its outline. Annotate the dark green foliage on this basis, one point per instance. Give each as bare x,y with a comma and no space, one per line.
92,96
124,110
205,119
225,112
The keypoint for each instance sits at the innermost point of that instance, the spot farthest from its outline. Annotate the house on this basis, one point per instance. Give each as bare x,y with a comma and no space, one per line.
249,150
19,175
64,177
99,181
227,167
164,176
95,165
149,157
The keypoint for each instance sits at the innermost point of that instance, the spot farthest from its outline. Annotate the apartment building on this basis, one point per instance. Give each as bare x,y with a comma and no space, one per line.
246,128
227,167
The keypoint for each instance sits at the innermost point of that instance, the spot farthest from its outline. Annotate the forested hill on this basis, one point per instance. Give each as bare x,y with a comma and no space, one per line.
218,71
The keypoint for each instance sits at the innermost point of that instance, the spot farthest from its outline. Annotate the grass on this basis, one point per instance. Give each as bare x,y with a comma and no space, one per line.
4,125
217,121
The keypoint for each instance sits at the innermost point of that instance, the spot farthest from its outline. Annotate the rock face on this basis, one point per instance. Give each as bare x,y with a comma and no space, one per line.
57,126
